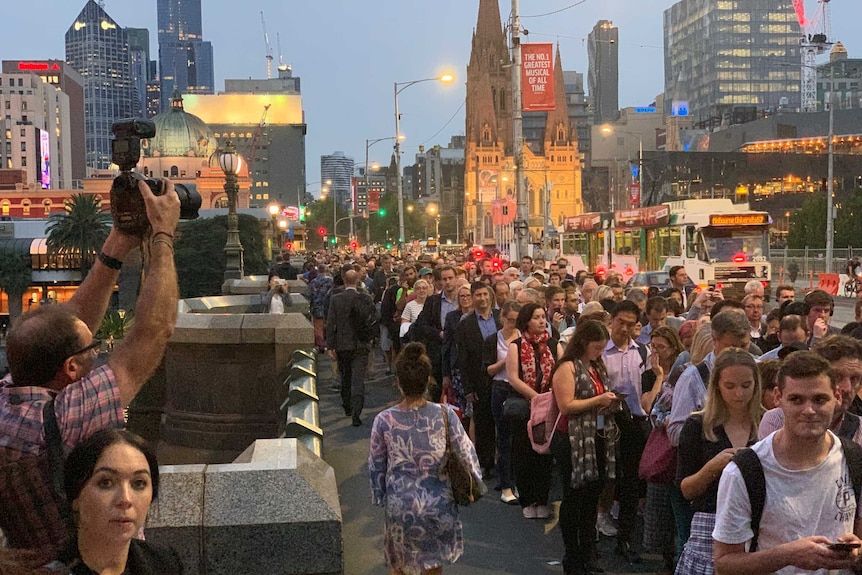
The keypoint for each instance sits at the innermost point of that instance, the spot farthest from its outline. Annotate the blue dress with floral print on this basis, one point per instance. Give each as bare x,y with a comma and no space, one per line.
405,465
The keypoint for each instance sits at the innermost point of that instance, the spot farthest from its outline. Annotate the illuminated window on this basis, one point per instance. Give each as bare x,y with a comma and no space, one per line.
25,205
47,205
4,207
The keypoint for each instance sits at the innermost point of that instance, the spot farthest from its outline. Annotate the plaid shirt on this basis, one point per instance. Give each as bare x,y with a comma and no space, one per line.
28,510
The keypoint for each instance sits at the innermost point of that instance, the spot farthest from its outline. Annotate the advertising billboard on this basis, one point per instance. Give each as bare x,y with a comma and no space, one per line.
44,169
537,77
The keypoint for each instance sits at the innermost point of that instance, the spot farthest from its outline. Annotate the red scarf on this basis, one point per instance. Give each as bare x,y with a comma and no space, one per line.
528,360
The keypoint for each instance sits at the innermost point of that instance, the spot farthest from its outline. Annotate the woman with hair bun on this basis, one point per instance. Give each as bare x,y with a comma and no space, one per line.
405,466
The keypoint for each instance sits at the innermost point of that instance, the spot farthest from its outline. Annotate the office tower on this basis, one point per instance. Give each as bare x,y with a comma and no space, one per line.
185,60
37,133
99,49
735,61
62,76
265,121
143,69
338,169
604,71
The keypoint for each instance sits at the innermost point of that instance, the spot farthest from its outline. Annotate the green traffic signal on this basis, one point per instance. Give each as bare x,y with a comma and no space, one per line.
388,246
332,240
381,212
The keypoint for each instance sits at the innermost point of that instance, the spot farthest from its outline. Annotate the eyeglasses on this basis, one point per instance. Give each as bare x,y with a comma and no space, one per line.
465,295
97,343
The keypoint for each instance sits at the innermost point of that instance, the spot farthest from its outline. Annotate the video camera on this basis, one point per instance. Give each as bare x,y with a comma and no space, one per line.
127,205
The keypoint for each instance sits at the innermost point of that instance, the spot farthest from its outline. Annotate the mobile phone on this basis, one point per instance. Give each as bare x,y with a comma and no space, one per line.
845,547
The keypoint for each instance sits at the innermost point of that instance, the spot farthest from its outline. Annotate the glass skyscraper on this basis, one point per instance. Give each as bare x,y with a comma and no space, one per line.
731,59
185,60
98,49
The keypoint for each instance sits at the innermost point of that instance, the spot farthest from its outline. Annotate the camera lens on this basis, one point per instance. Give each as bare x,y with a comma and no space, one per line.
190,200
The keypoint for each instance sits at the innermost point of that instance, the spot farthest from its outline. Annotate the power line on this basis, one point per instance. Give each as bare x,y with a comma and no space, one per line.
556,11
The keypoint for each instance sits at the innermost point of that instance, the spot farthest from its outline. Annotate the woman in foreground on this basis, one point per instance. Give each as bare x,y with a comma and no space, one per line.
405,465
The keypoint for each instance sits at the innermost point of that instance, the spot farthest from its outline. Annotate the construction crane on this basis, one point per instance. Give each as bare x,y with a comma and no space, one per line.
815,41
255,140
268,48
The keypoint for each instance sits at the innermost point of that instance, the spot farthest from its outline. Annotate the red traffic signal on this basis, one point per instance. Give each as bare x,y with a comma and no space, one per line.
321,230
497,264
478,254
288,246
354,245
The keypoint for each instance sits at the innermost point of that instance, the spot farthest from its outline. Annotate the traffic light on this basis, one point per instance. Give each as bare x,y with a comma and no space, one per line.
381,212
497,264
288,246
353,245
388,245
478,255
321,230
333,240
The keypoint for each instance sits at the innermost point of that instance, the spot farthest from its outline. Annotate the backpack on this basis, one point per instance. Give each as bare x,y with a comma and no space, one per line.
755,482
363,318
642,351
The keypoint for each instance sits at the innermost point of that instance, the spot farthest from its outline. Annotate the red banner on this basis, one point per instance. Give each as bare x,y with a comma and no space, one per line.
635,195
373,199
503,211
537,77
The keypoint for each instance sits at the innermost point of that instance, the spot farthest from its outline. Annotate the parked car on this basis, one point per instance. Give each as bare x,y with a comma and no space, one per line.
646,280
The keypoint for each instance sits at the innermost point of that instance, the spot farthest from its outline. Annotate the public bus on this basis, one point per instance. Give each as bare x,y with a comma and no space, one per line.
719,243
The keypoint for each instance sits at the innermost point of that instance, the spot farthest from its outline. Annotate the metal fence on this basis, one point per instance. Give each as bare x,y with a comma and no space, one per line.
809,260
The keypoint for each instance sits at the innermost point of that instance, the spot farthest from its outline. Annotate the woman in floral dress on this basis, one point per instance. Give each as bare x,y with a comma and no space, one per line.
405,465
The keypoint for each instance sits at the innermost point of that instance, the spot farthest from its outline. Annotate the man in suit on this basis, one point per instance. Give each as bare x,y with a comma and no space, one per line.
679,280
428,327
343,345
470,337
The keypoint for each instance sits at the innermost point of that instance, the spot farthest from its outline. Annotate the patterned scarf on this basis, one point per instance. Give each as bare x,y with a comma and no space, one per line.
528,359
583,430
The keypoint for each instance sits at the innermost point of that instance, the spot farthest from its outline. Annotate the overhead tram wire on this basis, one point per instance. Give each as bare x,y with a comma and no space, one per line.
556,11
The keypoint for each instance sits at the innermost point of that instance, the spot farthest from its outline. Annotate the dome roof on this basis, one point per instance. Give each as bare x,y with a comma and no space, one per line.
838,52
180,134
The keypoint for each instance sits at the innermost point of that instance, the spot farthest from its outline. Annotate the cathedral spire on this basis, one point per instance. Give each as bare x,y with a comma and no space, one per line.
558,119
489,26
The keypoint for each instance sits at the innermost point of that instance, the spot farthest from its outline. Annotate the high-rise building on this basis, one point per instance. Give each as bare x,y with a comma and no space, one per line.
603,48
736,60
185,60
553,169
37,133
265,121
65,78
98,48
842,78
338,169
143,69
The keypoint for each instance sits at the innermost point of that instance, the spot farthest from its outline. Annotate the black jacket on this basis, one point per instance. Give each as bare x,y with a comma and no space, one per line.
470,342
340,335
144,559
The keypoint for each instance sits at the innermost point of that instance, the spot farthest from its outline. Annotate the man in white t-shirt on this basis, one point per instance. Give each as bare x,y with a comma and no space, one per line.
809,503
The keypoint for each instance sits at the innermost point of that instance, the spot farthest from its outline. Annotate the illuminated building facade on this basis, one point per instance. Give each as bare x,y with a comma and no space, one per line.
99,49
734,60
603,76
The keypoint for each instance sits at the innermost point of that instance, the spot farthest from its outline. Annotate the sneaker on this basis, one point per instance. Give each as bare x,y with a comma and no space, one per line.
529,511
508,498
605,525
544,512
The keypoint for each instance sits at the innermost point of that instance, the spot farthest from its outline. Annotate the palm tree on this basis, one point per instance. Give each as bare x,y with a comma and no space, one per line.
15,278
81,229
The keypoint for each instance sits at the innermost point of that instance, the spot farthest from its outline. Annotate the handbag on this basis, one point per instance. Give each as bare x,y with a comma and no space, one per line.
465,489
544,417
516,407
658,462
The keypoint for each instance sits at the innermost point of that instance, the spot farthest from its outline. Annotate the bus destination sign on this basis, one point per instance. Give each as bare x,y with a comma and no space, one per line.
738,219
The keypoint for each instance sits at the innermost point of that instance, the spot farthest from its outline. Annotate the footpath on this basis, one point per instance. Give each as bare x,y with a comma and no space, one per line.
497,538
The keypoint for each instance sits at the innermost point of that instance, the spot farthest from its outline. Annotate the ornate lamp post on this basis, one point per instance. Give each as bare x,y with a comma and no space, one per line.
274,210
230,163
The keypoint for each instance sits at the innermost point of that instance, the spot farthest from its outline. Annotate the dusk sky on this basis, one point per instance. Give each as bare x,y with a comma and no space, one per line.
349,52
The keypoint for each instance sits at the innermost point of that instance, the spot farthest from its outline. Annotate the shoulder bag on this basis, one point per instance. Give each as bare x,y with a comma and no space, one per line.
465,489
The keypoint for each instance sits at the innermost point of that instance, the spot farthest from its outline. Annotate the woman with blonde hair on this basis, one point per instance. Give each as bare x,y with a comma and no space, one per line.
604,291
708,441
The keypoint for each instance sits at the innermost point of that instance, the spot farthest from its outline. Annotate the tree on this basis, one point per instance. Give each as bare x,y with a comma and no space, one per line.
808,225
81,229
200,256
15,277
848,220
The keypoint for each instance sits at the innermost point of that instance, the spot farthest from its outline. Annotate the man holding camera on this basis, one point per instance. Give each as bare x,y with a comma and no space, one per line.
52,356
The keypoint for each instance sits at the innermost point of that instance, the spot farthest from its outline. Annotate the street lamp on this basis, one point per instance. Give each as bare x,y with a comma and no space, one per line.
434,211
400,87
274,209
368,144
608,130
231,163
282,227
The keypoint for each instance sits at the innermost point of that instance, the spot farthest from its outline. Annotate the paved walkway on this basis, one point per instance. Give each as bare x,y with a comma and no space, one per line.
497,538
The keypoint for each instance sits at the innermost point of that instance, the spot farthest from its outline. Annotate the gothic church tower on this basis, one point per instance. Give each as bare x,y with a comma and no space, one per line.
552,163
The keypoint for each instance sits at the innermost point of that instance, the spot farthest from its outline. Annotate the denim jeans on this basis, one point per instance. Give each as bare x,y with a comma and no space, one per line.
499,392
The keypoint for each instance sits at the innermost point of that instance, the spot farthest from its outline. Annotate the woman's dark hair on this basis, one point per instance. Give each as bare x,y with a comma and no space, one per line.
413,368
525,315
271,275
586,332
82,461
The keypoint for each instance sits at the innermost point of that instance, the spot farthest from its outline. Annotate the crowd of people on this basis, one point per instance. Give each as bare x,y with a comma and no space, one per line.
687,376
